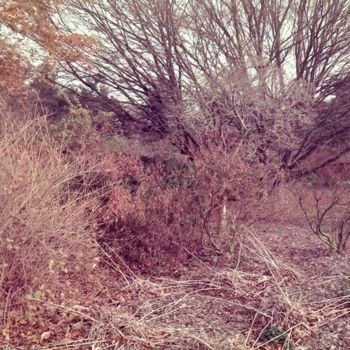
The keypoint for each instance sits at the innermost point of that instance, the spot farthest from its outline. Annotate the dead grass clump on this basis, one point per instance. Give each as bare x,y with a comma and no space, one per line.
253,305
46,231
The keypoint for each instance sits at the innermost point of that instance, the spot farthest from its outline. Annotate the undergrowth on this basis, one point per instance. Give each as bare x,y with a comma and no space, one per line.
104,251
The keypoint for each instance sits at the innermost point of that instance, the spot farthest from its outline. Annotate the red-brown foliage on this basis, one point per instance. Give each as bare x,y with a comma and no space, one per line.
155,213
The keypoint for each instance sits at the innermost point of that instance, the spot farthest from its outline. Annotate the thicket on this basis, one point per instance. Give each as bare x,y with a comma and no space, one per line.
158,214
161,135
47,229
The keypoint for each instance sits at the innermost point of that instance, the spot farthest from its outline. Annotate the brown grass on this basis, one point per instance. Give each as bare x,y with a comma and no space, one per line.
56,294
46,229
207,308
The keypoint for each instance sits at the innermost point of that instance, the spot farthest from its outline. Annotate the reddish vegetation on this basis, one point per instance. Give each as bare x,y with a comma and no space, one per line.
174,174
142,250
334,173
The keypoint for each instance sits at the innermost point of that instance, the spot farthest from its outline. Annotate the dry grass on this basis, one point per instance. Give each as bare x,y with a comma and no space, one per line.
46,230
218,308
56,295
208,308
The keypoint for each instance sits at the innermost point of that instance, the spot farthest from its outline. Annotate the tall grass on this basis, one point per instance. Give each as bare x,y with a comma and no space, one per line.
46,229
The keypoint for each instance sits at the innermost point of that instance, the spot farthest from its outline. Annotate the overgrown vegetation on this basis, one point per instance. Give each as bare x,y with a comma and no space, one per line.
174,175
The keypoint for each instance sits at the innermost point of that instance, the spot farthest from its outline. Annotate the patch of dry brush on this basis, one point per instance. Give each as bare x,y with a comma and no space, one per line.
47,233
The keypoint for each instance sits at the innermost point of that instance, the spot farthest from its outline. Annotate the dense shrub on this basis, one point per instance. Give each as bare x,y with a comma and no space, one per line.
46,229
160,210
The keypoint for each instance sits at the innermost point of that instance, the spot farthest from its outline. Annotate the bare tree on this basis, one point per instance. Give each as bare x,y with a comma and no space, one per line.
147,46
321,44
162,63
306,40
137,57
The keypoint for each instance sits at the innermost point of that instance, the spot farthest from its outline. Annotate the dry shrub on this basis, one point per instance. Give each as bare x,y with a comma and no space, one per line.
144,217
228,191
326,210
157,210
46,229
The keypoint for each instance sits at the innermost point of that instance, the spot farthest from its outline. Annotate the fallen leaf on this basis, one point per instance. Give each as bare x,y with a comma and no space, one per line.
45,336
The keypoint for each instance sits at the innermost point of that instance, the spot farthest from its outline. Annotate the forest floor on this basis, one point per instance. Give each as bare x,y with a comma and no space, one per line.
280,289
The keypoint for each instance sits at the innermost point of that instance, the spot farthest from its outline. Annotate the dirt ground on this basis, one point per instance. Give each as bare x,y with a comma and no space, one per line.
324,278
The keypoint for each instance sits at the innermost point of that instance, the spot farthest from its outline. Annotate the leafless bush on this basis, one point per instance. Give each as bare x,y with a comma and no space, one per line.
154,212
261,126
326,210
